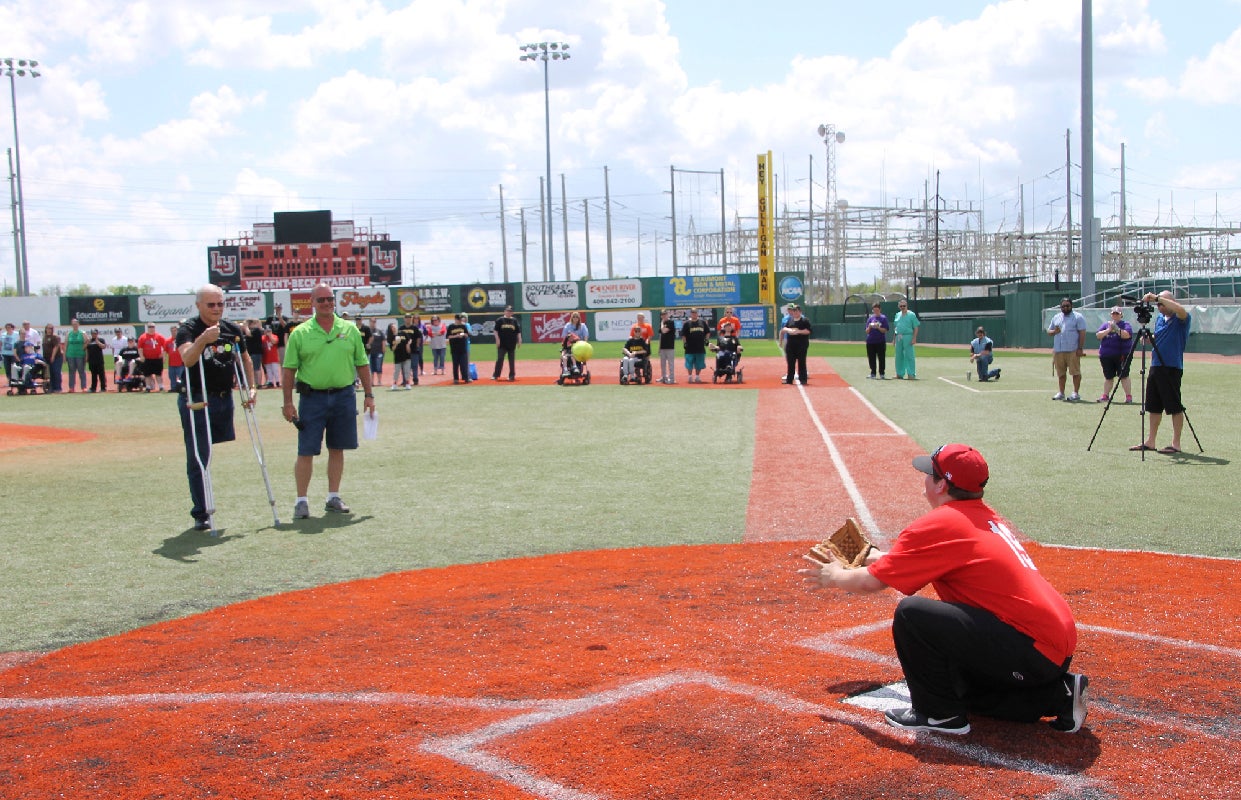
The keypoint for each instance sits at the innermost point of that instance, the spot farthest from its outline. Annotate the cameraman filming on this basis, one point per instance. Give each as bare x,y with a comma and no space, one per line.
1163,390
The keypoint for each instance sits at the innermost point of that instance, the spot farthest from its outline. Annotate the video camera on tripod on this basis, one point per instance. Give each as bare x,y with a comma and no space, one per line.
1144,312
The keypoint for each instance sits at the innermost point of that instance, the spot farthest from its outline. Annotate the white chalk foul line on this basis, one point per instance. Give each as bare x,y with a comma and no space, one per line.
859,503
89,702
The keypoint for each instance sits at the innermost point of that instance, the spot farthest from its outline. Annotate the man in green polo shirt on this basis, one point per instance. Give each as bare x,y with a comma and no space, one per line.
321,359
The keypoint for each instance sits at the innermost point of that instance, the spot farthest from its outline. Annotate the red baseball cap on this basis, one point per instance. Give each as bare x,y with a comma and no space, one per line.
963,466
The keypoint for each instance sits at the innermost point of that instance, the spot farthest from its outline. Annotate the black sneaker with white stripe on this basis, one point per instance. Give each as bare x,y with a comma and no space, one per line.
910,720
1073,715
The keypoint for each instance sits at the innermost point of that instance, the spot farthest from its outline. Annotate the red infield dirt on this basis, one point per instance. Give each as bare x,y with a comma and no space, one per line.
14,437
680,673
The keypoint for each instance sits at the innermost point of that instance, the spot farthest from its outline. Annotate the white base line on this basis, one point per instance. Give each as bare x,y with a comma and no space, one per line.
465,748
878,414
859,503
1231,652
960,385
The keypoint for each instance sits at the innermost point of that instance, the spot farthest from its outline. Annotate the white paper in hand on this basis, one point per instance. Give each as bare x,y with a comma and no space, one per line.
370,424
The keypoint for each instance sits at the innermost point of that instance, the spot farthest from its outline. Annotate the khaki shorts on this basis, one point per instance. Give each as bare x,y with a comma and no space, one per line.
1070,363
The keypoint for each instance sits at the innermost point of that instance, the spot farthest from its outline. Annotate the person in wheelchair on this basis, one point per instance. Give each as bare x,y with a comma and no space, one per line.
29,371
129,376
570,367
636,360
727,349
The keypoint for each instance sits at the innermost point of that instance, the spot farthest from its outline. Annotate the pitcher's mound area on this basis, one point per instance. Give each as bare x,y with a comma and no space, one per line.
14,437
682,673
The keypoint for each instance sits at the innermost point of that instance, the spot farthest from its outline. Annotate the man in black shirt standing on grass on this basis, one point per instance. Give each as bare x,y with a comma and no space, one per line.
508,339
209,346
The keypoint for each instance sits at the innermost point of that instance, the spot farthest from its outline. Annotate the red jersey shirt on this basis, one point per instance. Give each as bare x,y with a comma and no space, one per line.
174,355
972,555
151,345
271,352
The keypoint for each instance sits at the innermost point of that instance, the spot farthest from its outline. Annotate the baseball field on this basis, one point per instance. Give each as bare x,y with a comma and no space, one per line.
572,592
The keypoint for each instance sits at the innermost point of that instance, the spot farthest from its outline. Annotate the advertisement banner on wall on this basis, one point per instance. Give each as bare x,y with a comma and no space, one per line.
614,294
425,300
703,290
549,327
482,328
558,296
614,326
243,305
108,310
791,289
374,301
166,307
486,297
753,322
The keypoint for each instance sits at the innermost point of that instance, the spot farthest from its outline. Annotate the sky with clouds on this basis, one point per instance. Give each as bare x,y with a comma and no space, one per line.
159,127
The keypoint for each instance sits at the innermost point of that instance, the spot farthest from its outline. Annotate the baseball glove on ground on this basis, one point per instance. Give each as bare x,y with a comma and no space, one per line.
848,546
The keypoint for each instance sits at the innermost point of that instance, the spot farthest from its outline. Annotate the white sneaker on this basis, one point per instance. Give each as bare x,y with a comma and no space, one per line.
1058,396
1073,398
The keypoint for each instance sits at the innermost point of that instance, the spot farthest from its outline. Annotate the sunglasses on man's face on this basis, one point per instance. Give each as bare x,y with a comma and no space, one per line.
325,299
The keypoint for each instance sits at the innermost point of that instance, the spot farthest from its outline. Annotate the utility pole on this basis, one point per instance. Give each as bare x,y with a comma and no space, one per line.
503,236
564,224
586,217
607,210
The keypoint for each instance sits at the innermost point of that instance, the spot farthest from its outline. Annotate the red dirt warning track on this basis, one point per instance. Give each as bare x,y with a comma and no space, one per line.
679,673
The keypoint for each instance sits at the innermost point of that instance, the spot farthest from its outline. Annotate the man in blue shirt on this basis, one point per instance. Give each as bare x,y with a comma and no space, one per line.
1163,390
982,353
1068,338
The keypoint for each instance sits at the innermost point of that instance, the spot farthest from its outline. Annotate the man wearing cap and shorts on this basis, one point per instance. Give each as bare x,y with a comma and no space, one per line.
1163,389
1068,338
999,640
695,333
152,345
322,358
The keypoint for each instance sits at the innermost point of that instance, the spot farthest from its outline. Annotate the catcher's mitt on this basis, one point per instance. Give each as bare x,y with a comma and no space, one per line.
848,546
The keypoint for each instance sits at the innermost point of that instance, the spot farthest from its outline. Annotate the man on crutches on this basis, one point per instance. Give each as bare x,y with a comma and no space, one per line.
209,346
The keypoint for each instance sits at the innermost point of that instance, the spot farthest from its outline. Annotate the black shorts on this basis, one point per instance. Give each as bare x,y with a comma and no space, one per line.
153,366
1114,365
1163,391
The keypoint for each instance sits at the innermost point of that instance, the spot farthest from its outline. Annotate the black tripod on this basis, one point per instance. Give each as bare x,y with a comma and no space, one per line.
1144,336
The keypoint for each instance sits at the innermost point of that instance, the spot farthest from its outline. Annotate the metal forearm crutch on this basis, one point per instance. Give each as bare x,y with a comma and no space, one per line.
204,469
256,439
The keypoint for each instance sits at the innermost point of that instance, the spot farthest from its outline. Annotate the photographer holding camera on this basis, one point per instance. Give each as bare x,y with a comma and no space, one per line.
1163,390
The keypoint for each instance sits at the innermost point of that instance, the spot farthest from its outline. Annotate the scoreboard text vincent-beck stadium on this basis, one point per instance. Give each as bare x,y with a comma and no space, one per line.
301,248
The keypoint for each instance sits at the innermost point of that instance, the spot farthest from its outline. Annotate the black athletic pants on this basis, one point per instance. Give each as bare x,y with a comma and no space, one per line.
959,659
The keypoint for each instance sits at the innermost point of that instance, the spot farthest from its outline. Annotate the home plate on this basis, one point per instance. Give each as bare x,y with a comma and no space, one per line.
885,698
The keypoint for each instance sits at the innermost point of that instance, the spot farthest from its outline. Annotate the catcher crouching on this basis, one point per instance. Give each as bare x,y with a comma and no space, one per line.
1000,639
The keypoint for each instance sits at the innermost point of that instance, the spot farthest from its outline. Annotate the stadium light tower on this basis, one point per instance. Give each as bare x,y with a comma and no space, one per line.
19,68
545,52
832,211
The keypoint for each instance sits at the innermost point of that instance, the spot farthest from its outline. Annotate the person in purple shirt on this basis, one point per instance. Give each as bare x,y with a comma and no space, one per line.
1115,344
877,341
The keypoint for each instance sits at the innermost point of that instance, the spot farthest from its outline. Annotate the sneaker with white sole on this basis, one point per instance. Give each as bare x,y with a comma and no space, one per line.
911,720
1074,713
301,510
1058,396
1073,398
336,505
